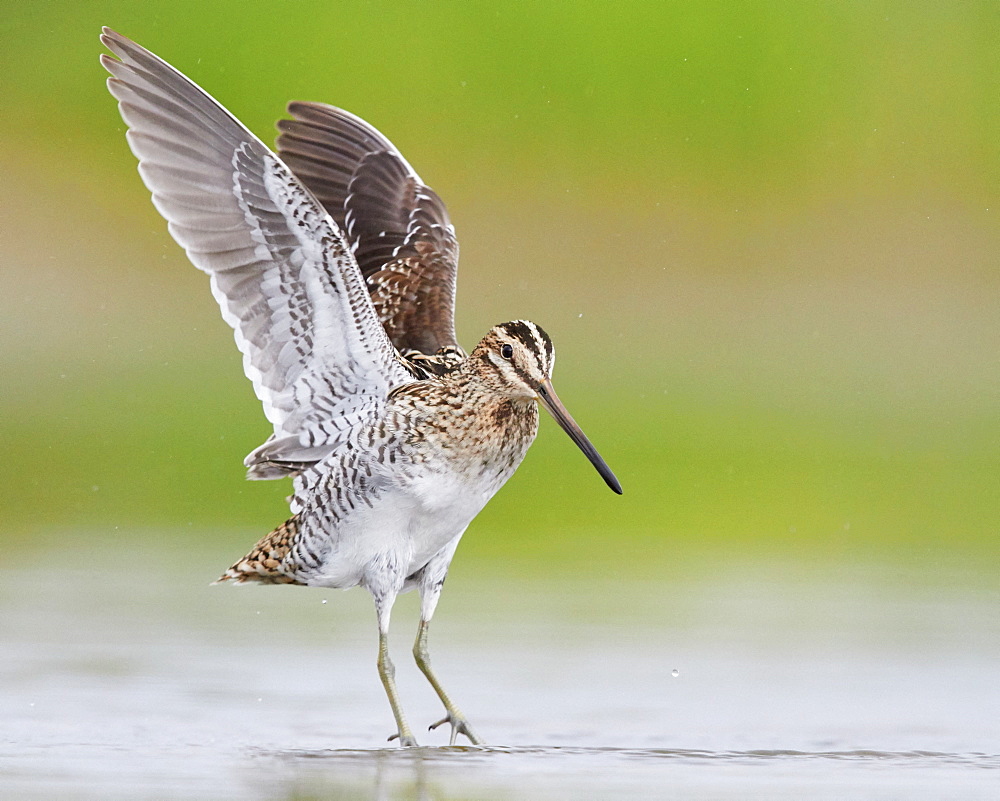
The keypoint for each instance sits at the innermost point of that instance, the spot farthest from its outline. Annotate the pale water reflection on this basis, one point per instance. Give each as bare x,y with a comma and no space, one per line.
125,676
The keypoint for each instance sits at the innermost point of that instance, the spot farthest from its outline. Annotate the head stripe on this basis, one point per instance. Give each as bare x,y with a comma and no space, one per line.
534,339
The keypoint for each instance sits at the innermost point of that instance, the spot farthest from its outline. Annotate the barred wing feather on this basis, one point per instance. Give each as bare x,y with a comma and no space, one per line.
281,271
396,225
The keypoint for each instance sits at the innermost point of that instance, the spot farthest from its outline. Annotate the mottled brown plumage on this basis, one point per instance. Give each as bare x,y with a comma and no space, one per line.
399,229
425,429
266,563
335,265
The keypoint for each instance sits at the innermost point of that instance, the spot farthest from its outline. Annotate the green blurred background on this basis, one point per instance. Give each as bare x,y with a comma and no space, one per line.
765,238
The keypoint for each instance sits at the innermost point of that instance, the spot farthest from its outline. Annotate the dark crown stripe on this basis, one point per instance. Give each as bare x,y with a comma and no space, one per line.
521,331
545,337
545,359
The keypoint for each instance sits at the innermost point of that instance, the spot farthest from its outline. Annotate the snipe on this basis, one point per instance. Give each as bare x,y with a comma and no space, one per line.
335,265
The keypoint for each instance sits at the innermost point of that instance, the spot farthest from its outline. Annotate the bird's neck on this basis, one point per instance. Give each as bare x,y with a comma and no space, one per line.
483,430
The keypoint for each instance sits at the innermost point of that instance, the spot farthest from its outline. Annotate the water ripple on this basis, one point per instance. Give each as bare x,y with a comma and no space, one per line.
986,761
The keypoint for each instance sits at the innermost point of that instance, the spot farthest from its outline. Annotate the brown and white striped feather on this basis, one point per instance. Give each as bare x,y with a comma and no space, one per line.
401,489
397,226
286,280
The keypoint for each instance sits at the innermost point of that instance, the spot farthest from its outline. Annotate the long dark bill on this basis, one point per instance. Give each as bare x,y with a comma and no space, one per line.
548,398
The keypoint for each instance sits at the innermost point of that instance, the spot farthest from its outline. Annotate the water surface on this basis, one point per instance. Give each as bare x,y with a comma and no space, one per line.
124,675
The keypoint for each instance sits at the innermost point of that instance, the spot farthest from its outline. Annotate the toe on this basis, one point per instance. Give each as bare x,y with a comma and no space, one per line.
459,725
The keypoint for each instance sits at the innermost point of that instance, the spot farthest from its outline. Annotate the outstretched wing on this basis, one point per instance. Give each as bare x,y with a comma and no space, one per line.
285,278
397,226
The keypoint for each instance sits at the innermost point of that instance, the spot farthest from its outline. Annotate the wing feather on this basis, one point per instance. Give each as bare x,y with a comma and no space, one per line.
397,226
282,273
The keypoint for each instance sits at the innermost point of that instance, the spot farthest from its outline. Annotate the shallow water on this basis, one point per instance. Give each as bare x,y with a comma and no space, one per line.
126,676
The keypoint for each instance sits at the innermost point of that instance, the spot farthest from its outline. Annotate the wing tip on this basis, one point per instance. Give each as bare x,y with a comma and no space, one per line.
124,49
297,107
113,40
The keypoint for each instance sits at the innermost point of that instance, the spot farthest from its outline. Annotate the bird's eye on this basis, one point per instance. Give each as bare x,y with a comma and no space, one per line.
506,351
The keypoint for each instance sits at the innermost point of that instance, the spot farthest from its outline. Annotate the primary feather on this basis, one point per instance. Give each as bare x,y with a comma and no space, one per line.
282,273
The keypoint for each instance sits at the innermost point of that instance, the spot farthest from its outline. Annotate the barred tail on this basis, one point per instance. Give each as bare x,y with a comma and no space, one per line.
270,561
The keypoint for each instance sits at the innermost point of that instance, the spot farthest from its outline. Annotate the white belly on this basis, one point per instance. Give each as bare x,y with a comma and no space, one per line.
378,512
400,532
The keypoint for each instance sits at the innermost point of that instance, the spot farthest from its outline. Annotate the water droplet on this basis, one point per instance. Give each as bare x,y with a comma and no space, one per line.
675,673
324,600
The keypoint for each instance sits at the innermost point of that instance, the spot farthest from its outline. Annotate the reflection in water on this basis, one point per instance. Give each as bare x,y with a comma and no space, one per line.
388,784
424,774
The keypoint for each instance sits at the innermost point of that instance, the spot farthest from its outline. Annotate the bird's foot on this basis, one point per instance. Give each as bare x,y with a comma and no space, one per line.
459,725
406,740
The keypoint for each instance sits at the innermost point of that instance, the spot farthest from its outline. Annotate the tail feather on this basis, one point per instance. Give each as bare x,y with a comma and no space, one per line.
268,562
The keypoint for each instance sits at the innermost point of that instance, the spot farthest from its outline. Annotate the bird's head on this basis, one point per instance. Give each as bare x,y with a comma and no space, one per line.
516,359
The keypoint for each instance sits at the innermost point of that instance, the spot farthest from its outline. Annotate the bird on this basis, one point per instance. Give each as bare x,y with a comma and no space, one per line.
336,267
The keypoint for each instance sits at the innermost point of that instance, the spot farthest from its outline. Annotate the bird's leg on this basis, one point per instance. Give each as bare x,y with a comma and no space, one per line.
431,581
387,672
458,721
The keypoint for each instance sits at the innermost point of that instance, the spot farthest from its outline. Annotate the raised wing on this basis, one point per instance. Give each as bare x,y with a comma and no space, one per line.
397,226
284,277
